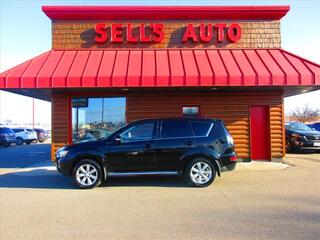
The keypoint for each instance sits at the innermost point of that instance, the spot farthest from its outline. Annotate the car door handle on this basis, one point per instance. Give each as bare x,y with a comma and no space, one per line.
147,146
189,143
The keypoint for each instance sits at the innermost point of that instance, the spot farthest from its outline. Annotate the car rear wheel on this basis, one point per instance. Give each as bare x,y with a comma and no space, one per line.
87,174
19,141
200,172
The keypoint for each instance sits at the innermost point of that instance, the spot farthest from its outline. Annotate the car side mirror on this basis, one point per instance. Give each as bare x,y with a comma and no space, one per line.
117,139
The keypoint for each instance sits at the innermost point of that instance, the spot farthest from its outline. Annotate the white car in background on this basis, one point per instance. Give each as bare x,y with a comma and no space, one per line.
25,135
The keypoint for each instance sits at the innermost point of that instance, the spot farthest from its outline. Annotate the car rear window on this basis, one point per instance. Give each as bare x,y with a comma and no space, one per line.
175,128
200,128
29,130
5,130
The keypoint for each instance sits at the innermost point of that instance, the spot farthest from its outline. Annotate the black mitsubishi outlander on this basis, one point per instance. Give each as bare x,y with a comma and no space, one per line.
197,148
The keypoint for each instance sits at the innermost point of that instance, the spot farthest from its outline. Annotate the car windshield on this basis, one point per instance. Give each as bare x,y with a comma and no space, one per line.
6,130
297,127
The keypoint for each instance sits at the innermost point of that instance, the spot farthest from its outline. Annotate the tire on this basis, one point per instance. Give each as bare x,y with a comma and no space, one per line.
6,145
19,141
288,147
28,142
196,180
84,167
41,141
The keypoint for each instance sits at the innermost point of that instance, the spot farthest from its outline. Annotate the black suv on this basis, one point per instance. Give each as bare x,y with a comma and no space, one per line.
199,148
300,137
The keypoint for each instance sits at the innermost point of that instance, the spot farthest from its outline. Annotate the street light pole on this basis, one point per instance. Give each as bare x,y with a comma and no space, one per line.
32,113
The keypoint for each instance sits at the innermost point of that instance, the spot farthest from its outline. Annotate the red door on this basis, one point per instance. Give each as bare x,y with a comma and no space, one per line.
259,131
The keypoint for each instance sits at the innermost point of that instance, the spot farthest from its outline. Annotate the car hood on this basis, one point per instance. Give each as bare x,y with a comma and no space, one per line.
307,133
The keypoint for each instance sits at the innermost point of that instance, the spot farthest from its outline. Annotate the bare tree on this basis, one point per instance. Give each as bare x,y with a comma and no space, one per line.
304,114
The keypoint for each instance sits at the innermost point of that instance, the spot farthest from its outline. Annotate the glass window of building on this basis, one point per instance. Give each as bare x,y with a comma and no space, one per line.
94,118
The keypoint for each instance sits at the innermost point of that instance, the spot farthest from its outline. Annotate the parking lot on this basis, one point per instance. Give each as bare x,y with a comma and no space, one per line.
261,202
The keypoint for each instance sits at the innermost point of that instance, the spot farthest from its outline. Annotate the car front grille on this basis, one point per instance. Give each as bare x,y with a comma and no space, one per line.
313,138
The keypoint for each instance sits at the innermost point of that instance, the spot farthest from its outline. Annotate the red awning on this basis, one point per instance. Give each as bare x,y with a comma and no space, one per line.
162,68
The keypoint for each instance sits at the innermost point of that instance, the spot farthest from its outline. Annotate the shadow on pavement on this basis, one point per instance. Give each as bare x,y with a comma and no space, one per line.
51,179
39,178
147,181
25,156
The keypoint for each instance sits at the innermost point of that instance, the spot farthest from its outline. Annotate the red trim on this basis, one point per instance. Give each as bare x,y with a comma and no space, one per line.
165,12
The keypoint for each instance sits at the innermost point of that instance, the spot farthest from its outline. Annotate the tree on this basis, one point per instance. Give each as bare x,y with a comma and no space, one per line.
8,122
304,114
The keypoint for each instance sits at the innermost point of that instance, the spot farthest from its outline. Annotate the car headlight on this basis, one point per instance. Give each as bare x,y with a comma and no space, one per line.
61,153
295,135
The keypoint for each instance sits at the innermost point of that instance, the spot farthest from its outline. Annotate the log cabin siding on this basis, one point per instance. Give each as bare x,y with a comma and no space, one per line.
231,107
60,122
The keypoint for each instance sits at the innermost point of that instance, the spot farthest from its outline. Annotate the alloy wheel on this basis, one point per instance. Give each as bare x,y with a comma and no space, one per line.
87,174
201,173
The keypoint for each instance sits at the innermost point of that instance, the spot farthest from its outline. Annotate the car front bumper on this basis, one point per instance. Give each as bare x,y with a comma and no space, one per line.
63,167
305,145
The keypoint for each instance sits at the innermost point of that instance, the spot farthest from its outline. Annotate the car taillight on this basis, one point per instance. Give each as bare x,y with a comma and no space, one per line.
233,158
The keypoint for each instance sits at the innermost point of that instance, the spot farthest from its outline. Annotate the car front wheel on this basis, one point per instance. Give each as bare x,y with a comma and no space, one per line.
200,173
87,174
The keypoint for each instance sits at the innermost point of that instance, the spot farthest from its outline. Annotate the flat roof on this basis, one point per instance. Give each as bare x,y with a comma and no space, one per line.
166,12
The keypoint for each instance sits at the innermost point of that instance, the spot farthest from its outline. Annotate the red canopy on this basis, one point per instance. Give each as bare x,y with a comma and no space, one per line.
162,68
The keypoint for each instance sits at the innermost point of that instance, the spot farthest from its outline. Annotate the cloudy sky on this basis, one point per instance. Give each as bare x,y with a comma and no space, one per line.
26,32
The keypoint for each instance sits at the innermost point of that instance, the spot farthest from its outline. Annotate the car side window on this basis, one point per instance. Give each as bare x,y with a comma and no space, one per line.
139,132
18,130
175,129
201,129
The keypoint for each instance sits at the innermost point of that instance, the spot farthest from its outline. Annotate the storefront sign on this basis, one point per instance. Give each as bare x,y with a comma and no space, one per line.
154,33
118,29
80,102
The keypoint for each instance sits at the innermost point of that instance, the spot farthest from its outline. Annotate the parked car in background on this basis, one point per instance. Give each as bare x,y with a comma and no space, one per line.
300,137
315,126
197,148
48,133
25,135
7,136
41,134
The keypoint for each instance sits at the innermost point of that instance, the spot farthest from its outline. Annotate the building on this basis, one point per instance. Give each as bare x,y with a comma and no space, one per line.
111,65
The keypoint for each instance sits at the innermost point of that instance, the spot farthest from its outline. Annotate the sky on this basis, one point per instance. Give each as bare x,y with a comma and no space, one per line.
25,32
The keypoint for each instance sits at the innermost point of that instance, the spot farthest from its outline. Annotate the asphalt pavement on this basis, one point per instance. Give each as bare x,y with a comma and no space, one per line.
24,156
263,202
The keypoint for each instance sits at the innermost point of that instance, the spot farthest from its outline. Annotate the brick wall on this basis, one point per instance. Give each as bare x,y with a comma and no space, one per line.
80,34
